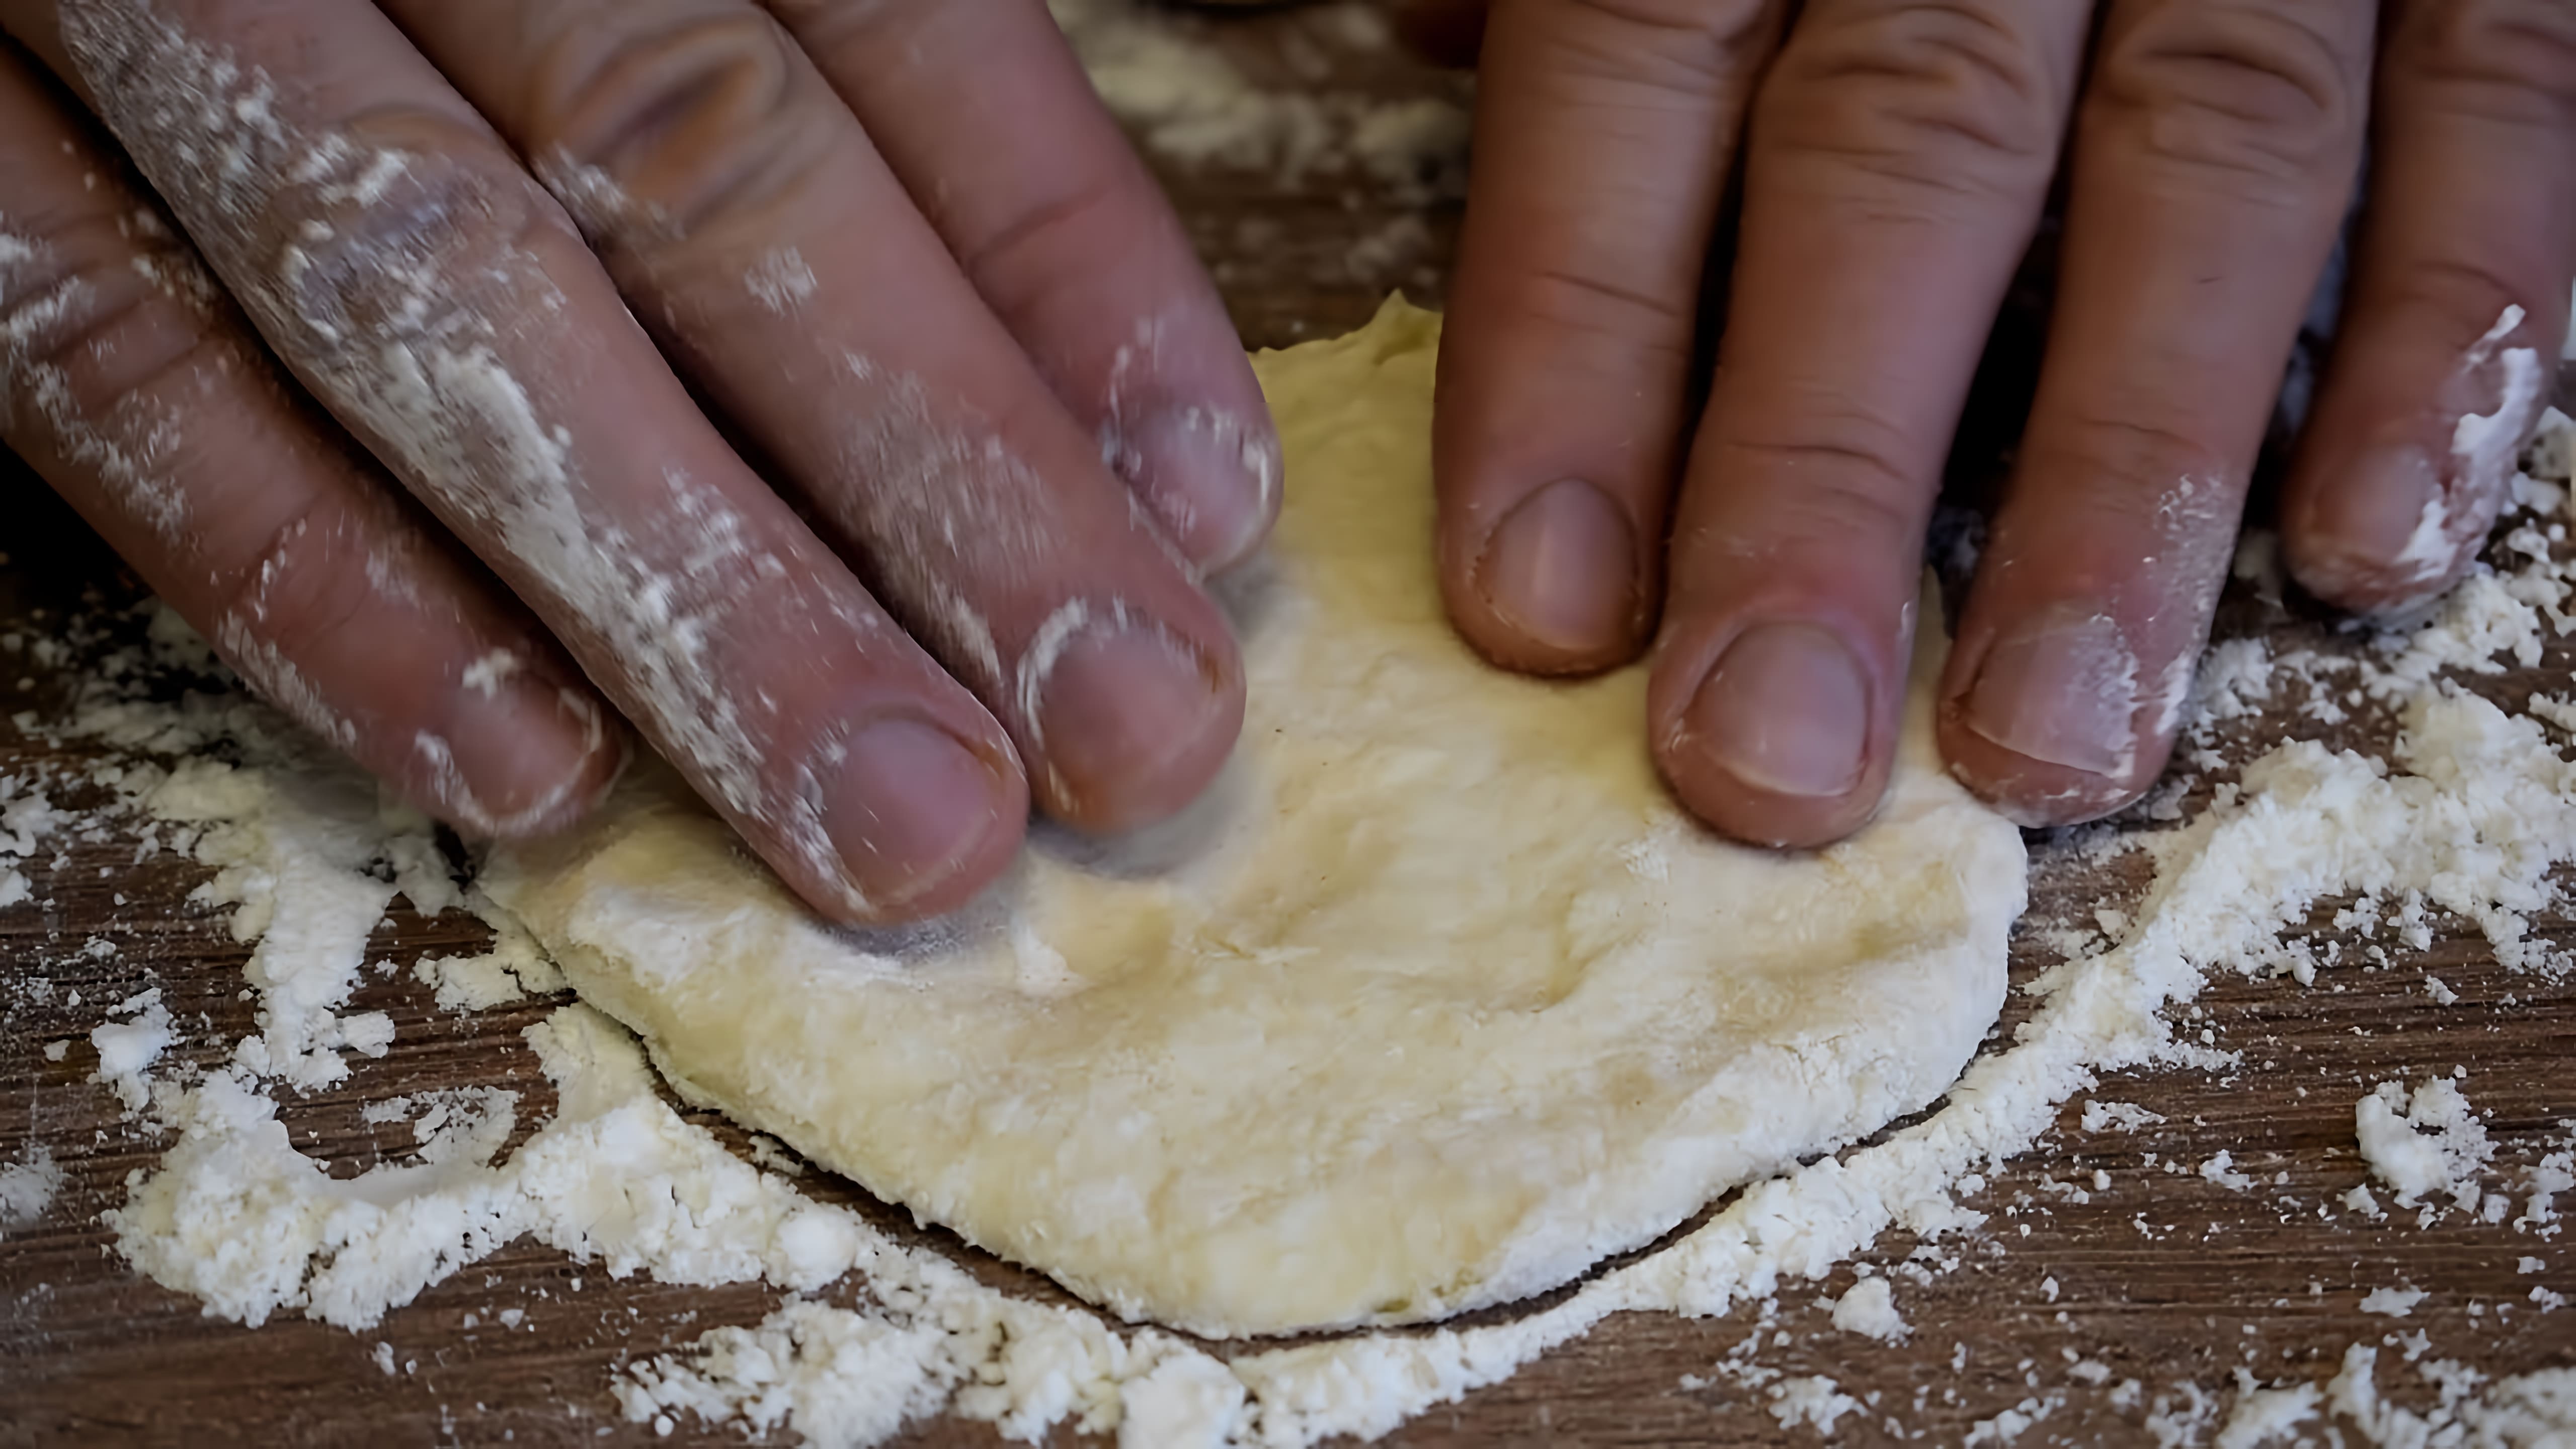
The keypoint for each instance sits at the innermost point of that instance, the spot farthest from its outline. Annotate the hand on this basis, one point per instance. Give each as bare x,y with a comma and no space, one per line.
894,249
1893,164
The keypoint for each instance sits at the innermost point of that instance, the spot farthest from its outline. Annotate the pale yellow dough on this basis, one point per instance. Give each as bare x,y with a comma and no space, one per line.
1434,1002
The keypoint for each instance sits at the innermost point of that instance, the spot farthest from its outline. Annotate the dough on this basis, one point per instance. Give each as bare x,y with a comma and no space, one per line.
1433,1003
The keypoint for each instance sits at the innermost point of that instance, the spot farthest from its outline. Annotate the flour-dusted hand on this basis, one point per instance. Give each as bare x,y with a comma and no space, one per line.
896,252
1894,159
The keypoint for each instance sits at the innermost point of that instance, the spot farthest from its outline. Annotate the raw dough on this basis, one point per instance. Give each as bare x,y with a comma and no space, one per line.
1433,1003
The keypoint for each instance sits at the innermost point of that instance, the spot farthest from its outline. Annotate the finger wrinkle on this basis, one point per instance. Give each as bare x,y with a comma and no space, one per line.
1701,41
50,315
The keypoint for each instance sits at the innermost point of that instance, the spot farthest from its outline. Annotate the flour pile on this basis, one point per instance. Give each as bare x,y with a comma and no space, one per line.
2470,812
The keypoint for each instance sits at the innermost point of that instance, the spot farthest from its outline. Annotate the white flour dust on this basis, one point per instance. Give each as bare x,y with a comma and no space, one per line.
1189,102
2470,812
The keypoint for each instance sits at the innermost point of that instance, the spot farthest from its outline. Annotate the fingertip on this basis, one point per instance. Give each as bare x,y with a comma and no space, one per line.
1132,720
1774,744
1553,588
2030,793
1211,478
2039,719
2380,534
922,818
522,752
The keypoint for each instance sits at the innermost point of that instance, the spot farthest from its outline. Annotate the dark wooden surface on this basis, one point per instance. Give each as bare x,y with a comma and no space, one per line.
2164,1277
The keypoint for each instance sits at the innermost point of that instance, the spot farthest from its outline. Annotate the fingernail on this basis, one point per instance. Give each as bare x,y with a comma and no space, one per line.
2061,688
908,806
1122,704
2385,513
1562,569
1786,710
1212,480
530,753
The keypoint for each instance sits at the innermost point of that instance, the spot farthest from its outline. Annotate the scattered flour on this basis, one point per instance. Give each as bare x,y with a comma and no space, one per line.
1869,1308
1814,1401
127,1049
1192,105
2118,1116
2262,1415
28,1187
2430,1145
512,970
2394,1302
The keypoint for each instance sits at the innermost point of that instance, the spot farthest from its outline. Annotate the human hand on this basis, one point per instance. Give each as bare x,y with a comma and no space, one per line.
896,248
1895,160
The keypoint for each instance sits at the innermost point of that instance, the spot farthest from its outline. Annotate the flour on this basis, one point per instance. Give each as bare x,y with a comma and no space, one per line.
26,818
1814,1401
2393,1302
1868,1307
2429,1145
2118,1116
512,970
2262,1415
28,1187
127,1049
1190,104
2468,813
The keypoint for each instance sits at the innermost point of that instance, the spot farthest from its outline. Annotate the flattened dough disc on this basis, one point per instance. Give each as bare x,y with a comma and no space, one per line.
1434,1002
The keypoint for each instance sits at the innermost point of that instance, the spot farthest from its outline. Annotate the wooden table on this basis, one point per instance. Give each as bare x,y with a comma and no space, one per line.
2164,1277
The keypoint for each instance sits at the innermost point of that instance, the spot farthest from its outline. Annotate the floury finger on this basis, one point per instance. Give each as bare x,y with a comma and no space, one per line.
391,250
141,396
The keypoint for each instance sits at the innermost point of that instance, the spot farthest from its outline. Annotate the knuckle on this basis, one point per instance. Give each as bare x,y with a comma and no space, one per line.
674,129
2272,93
1072,229
2132,462
2511,59
90,329
1578,299
1947,96
1699,47
402,241
1839,479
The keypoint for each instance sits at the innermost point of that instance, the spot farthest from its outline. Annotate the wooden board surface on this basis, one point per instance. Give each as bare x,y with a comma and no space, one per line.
2163,1276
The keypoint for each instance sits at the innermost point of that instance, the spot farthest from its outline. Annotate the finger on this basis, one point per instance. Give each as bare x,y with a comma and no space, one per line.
701,151
395,257
981,110
2458,300
2213,161
1603,135
145,401
1898,161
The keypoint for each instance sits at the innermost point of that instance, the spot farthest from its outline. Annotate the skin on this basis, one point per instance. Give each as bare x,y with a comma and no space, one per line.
1893,160
822,387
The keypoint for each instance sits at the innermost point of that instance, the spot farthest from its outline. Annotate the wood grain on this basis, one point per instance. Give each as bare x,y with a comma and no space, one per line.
2162,1277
